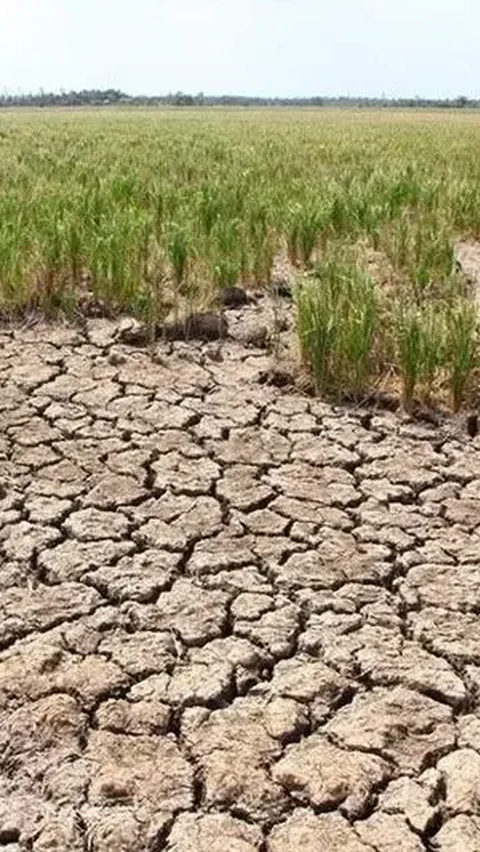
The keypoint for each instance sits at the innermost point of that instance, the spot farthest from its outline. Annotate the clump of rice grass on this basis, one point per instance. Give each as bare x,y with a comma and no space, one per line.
345,328
337,314
420,345
461,348
436,343
178,252
305,225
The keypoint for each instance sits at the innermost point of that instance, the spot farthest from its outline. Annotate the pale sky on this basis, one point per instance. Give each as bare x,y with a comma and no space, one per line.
265,47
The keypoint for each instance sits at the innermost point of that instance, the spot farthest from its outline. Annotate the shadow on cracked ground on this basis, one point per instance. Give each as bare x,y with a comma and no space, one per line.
232,617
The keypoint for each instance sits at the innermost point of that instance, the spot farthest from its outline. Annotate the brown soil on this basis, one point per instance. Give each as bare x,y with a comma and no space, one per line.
233,617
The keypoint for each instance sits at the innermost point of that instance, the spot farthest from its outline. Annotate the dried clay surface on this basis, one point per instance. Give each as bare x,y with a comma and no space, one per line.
233,618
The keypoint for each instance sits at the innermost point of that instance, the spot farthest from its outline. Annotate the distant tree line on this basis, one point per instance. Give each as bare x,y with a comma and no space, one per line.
108,97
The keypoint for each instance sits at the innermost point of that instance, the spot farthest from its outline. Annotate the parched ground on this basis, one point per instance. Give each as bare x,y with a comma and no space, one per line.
232,618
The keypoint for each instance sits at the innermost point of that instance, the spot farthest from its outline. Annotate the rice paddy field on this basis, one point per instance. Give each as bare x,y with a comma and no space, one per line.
234,616
155,212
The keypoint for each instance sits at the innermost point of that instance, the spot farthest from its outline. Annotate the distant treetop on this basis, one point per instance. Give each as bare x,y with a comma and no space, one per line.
108,97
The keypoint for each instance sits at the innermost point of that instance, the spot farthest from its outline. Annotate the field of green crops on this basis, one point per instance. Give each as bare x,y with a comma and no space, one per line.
154,209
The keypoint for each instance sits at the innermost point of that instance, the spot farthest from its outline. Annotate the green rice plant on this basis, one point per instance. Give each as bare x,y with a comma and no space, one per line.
209,208
433,256
337,319
226,271
409,346
358,327
339,216
310,224
461,348
292,230
421,347
317,331
433,343
263,254
75,252
178,254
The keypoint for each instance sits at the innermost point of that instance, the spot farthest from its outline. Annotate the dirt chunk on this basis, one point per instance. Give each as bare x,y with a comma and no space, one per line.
460,834
213,833
234,750
275,631
207,326
311,833
457,586
141,653
402,725
254,447
140,577
23,611
94,524
113,490
319,774
21,541
149,770
454,635
461,771
403,662
125,717
389,833
195,613
322,569
43,666
201,683
310,681
71,559
61,831
43,733
412,800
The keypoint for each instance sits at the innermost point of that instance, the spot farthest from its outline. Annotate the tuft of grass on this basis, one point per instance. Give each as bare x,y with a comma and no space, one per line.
317,330
415,351
178,255
345,328
461,348
337,316
436,342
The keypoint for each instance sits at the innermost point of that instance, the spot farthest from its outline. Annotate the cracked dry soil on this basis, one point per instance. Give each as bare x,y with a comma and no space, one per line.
232,618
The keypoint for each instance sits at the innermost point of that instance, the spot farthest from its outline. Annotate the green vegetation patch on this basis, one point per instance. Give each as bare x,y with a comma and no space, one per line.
154,211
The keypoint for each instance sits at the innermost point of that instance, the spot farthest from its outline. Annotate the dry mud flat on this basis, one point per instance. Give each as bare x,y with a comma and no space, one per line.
231,617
